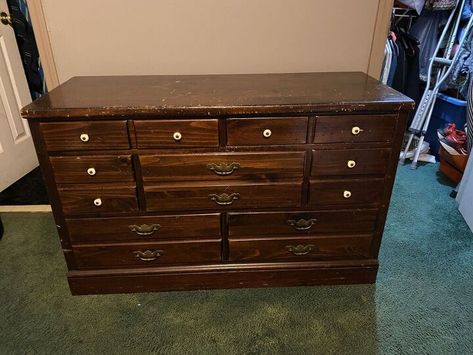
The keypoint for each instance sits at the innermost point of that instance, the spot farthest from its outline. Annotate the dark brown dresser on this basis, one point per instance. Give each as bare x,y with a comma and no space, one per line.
219,181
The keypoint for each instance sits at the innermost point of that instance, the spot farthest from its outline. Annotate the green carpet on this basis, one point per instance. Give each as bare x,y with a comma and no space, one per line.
421,304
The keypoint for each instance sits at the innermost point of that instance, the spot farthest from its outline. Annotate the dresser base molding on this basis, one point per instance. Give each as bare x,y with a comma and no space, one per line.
222,277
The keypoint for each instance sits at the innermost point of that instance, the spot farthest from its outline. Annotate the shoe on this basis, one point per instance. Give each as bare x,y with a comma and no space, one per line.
451,127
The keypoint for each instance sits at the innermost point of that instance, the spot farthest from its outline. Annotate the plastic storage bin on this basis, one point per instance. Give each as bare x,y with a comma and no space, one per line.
446,110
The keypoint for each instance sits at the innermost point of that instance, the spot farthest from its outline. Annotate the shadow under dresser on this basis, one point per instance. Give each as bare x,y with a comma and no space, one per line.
219,181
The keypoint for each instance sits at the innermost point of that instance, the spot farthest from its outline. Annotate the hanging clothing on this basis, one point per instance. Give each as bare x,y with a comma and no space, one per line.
394,60
438,5
426,30
462,69
386,63
28,50
417,5
406,75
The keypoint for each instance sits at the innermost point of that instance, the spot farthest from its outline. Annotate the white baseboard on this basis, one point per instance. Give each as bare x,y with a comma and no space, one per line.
30,208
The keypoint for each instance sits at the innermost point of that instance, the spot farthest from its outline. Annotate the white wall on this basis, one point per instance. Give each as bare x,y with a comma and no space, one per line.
107,37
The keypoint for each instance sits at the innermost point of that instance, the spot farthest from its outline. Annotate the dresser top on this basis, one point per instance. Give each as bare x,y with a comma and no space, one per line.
216,95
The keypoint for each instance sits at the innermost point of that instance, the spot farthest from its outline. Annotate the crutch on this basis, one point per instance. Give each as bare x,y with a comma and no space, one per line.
423,114
445,72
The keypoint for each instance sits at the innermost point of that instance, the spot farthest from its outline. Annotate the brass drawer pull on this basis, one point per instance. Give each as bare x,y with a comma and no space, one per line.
148,255
300,250
346,194
98,202
356,130
223,168
84,137
145,229
351,164
302,224
91,171
267,133
177,136
224,199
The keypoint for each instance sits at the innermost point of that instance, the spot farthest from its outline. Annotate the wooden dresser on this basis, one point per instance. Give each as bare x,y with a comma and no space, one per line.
219,181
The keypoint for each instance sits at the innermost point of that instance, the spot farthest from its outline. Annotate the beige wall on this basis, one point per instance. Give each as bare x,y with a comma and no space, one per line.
106,37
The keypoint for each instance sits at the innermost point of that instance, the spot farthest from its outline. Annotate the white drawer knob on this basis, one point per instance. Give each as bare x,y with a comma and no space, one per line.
356,130
346,194
177,136
84,137
98,202
267,133
91,171
351,164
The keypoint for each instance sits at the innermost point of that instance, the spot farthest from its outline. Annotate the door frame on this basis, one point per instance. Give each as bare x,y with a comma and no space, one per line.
380,33
40,29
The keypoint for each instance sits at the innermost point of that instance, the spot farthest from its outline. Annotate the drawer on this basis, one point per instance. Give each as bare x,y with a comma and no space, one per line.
209,196
98,199
85,135
144,228
267,131
354,128
301,223
147,254
177,133
343,193
217,166
92,169
300,249
350,162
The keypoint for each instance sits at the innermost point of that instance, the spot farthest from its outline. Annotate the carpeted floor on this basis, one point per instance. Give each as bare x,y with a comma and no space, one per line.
421,304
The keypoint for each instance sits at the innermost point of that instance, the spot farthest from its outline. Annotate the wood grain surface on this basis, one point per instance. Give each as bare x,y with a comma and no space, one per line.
269,166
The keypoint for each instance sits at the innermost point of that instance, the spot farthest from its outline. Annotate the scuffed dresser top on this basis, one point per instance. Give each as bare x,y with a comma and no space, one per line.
216,95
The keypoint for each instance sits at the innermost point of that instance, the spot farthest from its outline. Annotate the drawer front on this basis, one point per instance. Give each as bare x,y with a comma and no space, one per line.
92,169
349,162
98,199
177,133
217,166
222,197
342,193
85,135
148,254
354,128
300,249
267,131
301,223
144,228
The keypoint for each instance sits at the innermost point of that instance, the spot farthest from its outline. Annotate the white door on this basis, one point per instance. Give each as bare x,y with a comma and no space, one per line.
465,194
17,154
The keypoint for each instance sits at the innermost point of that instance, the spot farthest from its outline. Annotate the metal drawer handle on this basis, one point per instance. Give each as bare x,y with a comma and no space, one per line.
177,136
145,229
351,164
302,224
91,171
224,199
148,255
300,250
346,194
98,202
223,168
267,133
84,137
356,130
